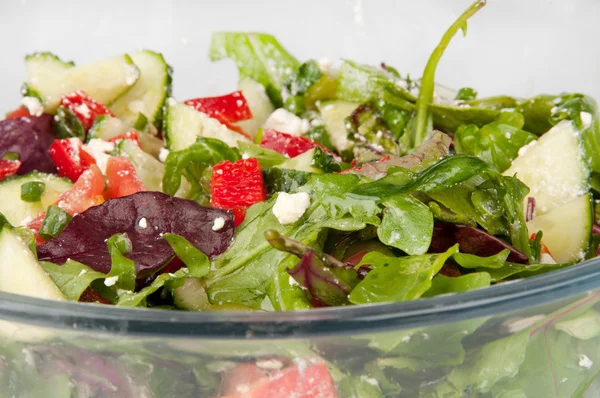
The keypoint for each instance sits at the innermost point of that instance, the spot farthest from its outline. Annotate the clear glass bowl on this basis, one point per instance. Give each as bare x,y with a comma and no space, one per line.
534,338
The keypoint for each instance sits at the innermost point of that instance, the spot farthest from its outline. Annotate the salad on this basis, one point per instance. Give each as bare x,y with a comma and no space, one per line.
310,186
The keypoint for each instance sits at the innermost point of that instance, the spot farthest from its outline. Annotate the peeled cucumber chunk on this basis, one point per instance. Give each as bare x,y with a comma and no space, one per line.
566,229
554,168
334,114
20,272
105,81
259,103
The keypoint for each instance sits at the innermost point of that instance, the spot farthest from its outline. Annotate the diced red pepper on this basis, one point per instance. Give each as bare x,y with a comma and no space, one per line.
19,112
84,107
250,381
70,158
287,144
237,186
130,135
8,167
122,179
227,109
86,192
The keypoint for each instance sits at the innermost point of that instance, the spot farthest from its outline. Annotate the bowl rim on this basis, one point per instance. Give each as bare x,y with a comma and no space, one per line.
569,283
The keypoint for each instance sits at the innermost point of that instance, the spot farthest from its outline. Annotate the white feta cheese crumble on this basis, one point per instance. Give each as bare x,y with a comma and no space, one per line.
269,364
83,110
584,361
110,281
33,105
289,208
171,101
286,122
143,223
99,149
369,380
546,258
82,272
586,119
325,64
218,224
162,154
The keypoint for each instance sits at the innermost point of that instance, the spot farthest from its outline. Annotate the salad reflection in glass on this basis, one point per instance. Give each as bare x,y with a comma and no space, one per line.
310,186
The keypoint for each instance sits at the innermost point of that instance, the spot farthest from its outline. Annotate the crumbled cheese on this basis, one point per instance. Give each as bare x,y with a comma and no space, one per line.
218,224
325,64
586,119
171,101
293,282
83,110
369,380
239,103
26,221
245,156
286,122
289,208
33,105
546,258
143,223
584,361
82,272
110,281
162,154
136,106
99,149
269,364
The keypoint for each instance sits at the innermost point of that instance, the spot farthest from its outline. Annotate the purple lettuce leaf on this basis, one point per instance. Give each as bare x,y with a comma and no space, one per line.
30,137
84,238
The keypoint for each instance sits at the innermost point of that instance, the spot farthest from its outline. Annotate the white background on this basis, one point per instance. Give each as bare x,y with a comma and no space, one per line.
518,47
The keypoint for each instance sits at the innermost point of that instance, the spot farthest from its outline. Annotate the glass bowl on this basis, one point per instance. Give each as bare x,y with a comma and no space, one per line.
534,338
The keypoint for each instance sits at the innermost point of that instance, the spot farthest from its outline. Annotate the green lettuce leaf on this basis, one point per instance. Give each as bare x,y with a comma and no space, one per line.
407,224
496,261
72,278
122,269
444,285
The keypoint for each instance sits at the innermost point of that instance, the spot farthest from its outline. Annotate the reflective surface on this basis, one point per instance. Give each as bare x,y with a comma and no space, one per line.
537,338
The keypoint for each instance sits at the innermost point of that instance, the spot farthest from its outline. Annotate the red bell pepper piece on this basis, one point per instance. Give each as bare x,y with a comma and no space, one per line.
227,109
287,144
70,158
8,167
122,179
19,112
84,107
237,186
130,135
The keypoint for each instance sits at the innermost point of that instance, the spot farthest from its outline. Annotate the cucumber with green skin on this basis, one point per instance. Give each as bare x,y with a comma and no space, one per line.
183,124
284,180
315,160
149,93
18,211
49,79
29,278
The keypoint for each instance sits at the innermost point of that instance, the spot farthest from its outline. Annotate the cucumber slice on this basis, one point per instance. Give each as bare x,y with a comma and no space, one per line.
334,114
259,103
567,229
19,212
554,167
106,127
149,93
183,124
20,273
42,66
314,161
105,80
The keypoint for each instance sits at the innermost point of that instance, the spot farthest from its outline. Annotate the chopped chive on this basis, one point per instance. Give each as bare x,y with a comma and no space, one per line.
32,191
55,221
11,156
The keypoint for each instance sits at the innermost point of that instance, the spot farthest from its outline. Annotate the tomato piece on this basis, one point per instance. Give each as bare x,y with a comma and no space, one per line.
89,295
87,191
69,157
237,186
313,380
130,135
122,178
8,167
231,107
19,112
287,144
84,107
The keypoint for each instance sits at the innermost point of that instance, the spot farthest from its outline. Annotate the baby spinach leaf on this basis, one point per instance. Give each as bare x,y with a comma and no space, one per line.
444,285
122,269
258,56
193,161
285,294
514,270
513,193
496,143
72,278
495,261
398,278
537,111
450,118
138,299
425,98
407,224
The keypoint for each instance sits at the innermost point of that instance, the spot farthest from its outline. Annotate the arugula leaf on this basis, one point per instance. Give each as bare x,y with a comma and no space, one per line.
286,294
193,161
197,262
398,278
407,224
438,177
495,261
138,299
428,81
444,285
122,269
496,143
258,56
72,278
510,270
266,157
